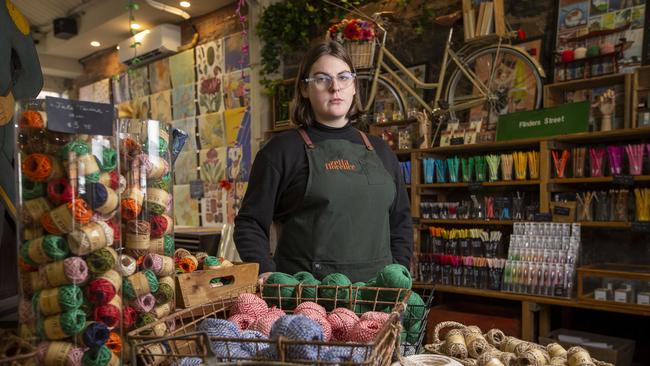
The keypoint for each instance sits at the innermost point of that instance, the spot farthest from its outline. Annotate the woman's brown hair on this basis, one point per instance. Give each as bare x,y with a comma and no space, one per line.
301,111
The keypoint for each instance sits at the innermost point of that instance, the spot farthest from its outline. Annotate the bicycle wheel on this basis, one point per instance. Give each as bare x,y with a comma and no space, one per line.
513,81
387,99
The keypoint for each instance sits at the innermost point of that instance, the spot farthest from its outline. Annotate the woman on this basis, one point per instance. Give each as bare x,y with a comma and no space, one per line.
337,194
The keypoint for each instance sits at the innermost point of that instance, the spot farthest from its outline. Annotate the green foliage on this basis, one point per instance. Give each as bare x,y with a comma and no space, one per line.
289,25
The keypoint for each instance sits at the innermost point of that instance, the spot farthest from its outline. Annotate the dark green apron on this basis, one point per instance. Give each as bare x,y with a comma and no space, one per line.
342,224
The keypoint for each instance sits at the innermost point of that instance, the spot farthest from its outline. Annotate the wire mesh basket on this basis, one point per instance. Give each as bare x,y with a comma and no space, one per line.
412,338
182,341
362,53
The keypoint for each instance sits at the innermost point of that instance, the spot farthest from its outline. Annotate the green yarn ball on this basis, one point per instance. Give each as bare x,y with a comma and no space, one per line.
593,50
394,276
211,261
303,275
367,293
127,287
169,245
162,183
54,246
272,294
78,146
70,297
145,319
413,333
72,322
100,261
415,310
109,160
164,294
97,357
334,298
309,293
31,189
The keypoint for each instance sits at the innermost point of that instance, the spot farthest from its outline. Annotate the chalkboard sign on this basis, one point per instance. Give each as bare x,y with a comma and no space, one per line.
73,116
623,180
542,217
196,189
562,211
457,141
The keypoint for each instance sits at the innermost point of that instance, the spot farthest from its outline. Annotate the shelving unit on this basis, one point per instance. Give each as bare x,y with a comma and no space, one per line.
640,92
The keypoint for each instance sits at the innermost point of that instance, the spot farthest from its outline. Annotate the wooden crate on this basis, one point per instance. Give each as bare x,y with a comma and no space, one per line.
194,288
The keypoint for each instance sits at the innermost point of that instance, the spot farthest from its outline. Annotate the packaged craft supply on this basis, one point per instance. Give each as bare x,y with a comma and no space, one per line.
69,235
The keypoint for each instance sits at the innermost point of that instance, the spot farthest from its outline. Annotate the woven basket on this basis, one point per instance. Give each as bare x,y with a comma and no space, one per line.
361,53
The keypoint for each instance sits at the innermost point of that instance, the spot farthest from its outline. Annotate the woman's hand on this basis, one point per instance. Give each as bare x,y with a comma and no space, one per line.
262,277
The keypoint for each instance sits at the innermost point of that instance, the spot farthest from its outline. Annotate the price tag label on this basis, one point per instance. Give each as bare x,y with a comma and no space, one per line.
196,189
73,116
623,180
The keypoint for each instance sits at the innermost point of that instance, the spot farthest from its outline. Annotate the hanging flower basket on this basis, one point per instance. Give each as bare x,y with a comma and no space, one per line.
358,37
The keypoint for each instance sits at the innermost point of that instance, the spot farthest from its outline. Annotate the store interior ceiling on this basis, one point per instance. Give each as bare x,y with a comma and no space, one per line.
103,21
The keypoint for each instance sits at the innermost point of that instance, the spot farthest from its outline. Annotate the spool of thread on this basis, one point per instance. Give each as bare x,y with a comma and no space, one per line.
496,338
342,321
249,304
163,182
41,168
78,152
44,250
61,326
101,198
140,283
580,52
34,210
455,345
144,303
101,356
102,260
101,290
310,305
30,233
126,265
165,294
31,189
200,256
153,166
59,191
556,350
181,252
129,316
607,48
159,264
187,264
94,335
110,313
280,290
91,238
163,310
57,300
111,179
593,50
567,55
534,357
131,203
157,200
31,119
109,159
162,225
62,218
137,237
578,356
72,270
59,354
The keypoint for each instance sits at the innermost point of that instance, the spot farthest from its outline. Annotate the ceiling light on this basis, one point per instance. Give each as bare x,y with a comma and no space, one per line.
135,26
184,4
95,44
118,47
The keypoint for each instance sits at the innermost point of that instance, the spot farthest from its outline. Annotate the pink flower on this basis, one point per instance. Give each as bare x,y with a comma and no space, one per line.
210,86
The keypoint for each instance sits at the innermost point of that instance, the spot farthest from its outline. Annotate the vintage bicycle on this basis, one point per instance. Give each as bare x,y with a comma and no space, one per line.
487,77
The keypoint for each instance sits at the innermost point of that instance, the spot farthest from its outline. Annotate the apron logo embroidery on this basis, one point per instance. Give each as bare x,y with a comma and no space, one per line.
340,164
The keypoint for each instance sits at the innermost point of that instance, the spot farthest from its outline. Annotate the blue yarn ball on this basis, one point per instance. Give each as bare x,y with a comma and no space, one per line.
253,348
222,328
298,328
270,354
190,361
344,354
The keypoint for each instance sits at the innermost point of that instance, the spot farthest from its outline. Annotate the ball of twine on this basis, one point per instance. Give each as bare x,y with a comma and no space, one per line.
394,276
144,303
221,328
495,337
108,314
109,159
342,321
158,201
578,356
154,167
164,294
455,345
98,356
187,264
31,189
243,321
209,262
163,182
333,295
264,323
249,304
131,206
254,348
126,265
114,343
298,328
507,358
53,246
38,167
160,265
309,289
303,275
129,316
316,316
101,198
414,313
276,294
101,260
364,331
74,270
59,191
489,359
534,357
476,343
556,350
379,317
144,319
62,325
154,147
94,335
169,245
100,291
65,298
310,305
190,361
73,354
200,256
132,292
558,361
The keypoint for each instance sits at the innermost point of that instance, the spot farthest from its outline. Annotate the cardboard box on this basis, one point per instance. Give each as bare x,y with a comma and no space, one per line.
620,354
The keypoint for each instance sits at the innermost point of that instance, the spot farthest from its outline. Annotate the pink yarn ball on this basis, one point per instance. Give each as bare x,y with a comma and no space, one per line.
364,331
342,321
311,306
250,304
377,316
243,321
277,312
316,316
264,323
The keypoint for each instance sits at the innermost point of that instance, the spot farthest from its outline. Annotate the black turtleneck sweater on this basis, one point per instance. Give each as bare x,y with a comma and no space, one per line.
277,185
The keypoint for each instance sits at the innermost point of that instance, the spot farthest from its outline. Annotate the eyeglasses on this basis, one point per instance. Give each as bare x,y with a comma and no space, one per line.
325,82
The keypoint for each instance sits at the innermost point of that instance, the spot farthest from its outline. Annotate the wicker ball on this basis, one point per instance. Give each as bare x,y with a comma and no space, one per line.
243,321
364,331
249,304
312,306
342,321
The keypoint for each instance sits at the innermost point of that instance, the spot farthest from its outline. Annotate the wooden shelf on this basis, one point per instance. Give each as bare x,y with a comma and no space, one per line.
588,180
500,183
605,224
606,136
599,33
594,82
404,152
490,146
465,222
589,58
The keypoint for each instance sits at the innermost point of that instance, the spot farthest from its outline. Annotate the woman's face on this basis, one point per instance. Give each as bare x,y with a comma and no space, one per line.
330,105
